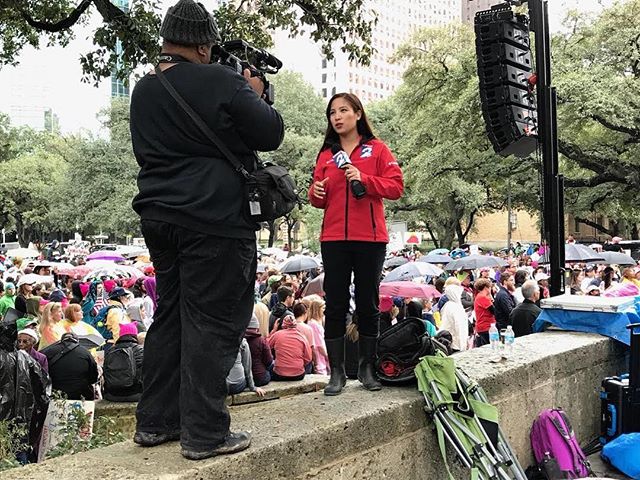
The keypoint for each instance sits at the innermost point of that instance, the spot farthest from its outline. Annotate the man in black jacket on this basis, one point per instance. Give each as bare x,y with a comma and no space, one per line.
193,206
504,302
72,369
123,366
524,315
283,307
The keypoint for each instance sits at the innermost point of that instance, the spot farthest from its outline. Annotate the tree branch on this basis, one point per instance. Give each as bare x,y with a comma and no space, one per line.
63,24
634,132
595,225
470,223
432,235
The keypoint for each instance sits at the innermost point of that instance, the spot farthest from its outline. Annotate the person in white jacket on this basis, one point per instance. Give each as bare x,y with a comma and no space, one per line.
454,318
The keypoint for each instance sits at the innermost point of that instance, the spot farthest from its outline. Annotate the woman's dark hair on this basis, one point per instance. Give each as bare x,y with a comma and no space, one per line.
299,309
521,277
607,277
138,288
414,309
363,126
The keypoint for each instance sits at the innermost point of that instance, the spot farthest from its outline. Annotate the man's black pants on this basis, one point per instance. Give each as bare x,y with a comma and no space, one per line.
205,287
365,260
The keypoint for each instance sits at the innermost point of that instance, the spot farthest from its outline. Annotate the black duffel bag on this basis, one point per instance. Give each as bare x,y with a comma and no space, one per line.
400,348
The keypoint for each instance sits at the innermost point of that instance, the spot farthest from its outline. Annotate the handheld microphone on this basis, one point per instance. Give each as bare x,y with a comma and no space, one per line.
341,160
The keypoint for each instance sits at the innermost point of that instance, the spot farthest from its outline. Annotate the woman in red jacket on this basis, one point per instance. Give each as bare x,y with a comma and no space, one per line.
354,172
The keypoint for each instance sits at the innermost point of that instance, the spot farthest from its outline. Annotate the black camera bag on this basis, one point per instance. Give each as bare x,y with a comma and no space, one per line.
270,191
275,191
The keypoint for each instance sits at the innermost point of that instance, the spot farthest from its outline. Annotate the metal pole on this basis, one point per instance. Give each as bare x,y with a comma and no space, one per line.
553,211
508,215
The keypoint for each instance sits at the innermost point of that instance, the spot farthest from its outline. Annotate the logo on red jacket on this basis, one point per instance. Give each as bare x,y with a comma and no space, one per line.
366,151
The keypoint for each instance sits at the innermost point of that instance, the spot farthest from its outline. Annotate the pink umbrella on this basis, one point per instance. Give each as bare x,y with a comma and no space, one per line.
409,289
105,255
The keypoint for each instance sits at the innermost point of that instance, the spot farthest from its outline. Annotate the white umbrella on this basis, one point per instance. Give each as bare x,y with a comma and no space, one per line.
32,278
412,270
23,252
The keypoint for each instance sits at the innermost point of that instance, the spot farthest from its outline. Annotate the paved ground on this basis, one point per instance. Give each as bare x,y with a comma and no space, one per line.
604,470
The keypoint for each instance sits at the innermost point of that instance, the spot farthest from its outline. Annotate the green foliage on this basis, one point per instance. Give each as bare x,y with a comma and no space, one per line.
74,433
434,126
12,442
38,22
102,178
303,113
29,187
597,73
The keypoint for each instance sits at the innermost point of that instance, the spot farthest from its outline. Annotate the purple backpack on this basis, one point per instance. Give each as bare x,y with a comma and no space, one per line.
555,447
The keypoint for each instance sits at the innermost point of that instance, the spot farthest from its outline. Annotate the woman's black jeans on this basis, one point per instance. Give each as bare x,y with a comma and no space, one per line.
340,260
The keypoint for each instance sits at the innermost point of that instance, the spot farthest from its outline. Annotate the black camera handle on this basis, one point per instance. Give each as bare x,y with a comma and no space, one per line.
230,157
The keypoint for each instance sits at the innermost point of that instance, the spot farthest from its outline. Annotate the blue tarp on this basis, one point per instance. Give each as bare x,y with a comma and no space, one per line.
612,325
622,453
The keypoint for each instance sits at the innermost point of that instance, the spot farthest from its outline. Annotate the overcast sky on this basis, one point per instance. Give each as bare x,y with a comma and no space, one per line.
51,76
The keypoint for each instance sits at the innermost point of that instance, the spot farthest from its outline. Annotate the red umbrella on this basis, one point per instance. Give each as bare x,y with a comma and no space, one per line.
409,289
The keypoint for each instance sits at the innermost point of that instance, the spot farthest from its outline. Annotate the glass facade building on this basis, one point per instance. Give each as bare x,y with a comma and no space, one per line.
118,86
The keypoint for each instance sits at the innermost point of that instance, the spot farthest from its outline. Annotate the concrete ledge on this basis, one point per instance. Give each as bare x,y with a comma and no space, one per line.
372,435
124,413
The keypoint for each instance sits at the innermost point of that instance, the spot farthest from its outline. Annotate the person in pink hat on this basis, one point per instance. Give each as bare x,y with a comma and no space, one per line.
123,367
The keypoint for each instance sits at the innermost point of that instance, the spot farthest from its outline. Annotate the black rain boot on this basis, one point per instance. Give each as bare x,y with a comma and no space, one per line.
338,379
366,363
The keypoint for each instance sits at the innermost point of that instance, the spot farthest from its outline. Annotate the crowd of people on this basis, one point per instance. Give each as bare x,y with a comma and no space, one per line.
88,335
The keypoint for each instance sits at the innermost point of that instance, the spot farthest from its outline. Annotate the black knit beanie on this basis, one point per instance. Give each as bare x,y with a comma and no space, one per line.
189,23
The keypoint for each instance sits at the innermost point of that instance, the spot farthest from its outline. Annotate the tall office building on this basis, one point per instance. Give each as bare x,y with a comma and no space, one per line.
118,87
397,20
470,7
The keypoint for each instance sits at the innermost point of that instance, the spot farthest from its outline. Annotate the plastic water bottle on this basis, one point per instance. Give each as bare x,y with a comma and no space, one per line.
509,340
494,338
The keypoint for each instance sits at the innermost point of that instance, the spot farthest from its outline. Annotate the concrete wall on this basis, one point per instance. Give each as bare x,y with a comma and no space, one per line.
372,435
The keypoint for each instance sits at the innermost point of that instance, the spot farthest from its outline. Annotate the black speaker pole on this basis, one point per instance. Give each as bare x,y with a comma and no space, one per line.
553,198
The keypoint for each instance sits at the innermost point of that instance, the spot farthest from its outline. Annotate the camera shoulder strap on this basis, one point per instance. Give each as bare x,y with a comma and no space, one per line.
230,157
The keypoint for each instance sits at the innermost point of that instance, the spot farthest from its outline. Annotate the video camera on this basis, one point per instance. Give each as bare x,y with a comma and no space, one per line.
239,55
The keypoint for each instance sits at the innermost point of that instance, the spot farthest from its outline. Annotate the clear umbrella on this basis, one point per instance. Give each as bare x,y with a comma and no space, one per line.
576,252
412,270
617,258
472,262
435,258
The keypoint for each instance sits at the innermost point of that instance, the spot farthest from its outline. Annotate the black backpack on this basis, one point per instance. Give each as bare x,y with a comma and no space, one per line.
400,348
120,369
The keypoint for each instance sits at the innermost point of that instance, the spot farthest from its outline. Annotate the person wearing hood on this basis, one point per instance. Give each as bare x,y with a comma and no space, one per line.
292,351
124,385
283,307
261,357
240,376
454,318
8,300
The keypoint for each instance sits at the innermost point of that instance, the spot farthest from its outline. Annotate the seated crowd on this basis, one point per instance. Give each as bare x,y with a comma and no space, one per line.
89,335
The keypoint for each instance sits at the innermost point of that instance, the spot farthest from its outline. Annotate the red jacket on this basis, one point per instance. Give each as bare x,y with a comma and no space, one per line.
348,218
